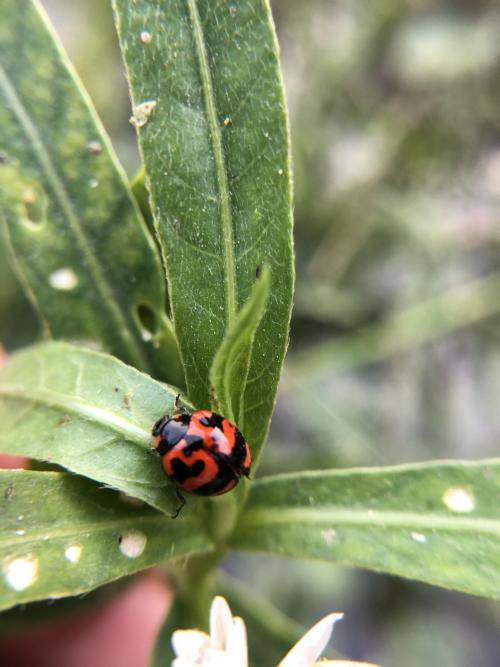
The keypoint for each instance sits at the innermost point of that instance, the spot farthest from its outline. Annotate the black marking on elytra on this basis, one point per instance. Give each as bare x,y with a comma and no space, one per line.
193,444
224,475
239,450
183,417
182,472
215,421
163,447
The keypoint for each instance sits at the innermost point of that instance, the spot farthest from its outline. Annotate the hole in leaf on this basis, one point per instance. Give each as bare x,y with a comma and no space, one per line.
148,321
34,205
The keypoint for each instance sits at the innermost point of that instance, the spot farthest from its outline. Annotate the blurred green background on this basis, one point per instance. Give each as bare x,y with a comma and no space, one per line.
395,343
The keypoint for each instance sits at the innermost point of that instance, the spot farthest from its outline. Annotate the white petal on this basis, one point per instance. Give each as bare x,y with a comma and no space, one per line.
214,658
310,647
221,622
182,662
189,644
236,647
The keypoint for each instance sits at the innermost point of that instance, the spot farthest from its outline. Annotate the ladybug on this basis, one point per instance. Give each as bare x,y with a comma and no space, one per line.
202,453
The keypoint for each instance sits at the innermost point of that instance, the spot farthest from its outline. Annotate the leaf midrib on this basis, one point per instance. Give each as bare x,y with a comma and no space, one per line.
337,517
80,407
220,168
58,187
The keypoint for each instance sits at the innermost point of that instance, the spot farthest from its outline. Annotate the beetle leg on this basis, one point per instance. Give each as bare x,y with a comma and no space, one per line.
182,501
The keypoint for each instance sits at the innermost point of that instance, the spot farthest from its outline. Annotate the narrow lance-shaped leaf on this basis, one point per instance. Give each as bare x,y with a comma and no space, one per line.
229,372
80,537
215,147
80,245
435,522
88,412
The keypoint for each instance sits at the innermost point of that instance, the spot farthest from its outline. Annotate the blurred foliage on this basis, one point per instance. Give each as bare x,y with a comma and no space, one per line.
396,138
395,115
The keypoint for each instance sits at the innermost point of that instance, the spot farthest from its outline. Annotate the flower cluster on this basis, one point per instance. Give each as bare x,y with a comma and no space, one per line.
226,645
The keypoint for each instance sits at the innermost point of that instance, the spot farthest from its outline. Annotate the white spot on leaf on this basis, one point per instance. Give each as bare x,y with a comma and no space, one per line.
328,535
63,279
93,183
132,543
146,37
21,573
418,537
142,112
94,147
20,532
458,499
73,553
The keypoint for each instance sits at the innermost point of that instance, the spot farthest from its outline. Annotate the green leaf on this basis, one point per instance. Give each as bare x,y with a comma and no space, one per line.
434,522
80,537
215,149
89,413
141,194
80,244
229,372
19,323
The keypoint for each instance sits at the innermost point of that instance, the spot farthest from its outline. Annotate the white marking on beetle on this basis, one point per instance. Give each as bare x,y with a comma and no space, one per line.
221,441
132,543
142,112
418,537
458,499
21,573
329,534
73,553
63,279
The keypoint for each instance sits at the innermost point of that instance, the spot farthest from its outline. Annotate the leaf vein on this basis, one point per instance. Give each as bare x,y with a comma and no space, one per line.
58,187
220,167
